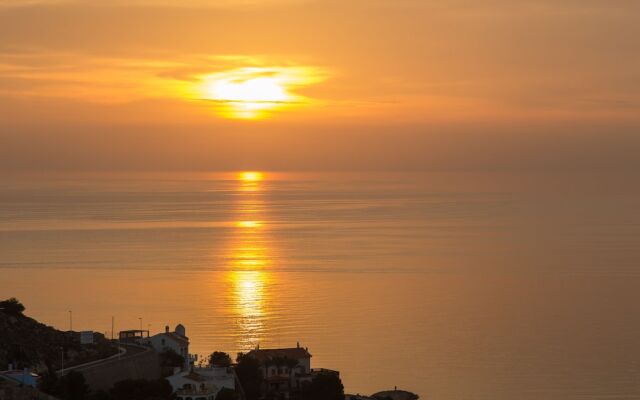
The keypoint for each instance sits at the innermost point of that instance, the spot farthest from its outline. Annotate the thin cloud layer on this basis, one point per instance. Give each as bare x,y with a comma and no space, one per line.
149,3
373,70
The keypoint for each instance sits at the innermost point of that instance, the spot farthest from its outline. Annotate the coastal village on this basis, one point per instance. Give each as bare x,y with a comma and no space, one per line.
40,363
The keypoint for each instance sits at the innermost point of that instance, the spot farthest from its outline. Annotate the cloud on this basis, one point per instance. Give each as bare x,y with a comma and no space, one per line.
232,86
6,4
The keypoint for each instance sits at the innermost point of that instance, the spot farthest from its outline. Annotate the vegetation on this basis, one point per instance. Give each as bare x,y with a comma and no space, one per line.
11,307
226,394
325,386
391,394
219,359
169,358
71,386
142,389
24,342
248,371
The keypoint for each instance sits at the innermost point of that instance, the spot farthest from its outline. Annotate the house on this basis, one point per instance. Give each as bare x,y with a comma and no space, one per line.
201,383
223,377
24,376
176,341
285,371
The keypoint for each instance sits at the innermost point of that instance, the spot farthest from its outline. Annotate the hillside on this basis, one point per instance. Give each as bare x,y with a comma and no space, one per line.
26,342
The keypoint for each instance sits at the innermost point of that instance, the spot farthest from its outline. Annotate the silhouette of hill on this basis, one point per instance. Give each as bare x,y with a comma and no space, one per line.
27,343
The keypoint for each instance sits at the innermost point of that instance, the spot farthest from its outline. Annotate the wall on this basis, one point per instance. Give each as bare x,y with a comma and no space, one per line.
140,364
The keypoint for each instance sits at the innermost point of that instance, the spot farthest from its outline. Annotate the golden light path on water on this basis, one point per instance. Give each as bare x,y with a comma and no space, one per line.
249,260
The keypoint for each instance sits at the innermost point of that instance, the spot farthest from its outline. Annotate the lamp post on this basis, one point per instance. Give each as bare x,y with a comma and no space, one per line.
140,318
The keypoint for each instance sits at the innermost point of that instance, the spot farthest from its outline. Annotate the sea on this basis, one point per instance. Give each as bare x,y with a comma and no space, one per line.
452,285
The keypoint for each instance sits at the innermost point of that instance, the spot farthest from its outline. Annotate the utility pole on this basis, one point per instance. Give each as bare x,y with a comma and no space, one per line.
112,324
140,318
70,321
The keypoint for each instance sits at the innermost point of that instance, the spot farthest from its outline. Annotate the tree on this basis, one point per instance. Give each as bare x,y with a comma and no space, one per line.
219,359
169,358
71,386
48,380
324,386
12,307
226,394
99,395
142,389
248,371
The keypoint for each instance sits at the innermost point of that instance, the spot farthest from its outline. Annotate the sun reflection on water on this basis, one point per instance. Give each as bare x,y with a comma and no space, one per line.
249,259
249,295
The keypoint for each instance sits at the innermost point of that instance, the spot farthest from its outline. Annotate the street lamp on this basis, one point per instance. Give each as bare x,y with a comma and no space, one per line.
62,359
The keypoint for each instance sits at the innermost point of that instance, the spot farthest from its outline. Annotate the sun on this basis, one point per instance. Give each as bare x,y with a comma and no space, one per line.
251,176
248,97
255,92
249,224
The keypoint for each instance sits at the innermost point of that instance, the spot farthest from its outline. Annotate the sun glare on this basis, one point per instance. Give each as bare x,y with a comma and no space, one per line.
248,224
251,176
254,92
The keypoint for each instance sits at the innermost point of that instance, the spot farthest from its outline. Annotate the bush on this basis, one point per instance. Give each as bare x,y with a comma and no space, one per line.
327,386
71,386
226,394
248,371
219,359
170,358
12,307
142,389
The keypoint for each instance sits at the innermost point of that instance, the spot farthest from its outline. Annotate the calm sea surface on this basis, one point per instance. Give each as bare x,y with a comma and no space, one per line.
454,286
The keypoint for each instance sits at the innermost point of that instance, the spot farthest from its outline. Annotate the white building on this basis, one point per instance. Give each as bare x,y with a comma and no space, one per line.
201,383
176,341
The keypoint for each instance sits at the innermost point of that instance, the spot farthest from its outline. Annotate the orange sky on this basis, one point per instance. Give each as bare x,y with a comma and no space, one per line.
415,84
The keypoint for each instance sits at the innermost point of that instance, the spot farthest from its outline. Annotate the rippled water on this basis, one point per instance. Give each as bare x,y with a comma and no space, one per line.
455,286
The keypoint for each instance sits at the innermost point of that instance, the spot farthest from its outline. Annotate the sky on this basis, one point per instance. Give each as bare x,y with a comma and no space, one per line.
319,85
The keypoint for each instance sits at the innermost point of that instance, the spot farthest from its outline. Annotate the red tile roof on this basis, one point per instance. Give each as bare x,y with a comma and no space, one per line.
263,355
194,376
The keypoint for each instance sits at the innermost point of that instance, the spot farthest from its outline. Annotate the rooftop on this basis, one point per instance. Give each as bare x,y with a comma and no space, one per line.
176,337
263,355
194,376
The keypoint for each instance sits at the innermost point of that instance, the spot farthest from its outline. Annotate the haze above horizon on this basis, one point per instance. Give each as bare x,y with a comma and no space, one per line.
300,85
